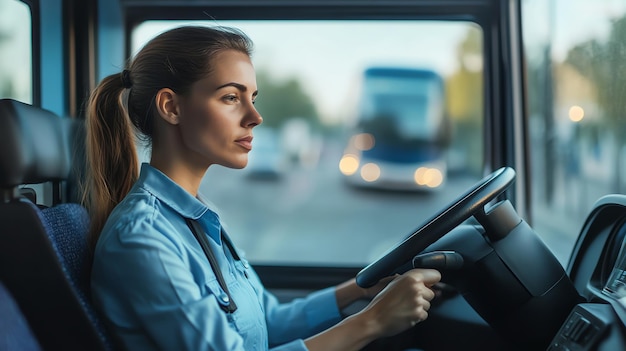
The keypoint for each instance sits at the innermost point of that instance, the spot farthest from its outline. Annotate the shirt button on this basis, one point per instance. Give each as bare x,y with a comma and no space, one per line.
224,298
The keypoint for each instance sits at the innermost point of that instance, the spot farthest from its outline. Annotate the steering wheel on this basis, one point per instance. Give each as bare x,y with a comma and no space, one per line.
471,202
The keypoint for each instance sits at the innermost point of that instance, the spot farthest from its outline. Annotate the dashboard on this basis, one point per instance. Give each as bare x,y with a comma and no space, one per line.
597,268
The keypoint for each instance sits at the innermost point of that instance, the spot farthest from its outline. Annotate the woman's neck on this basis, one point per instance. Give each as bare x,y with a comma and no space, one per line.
184,174
170,156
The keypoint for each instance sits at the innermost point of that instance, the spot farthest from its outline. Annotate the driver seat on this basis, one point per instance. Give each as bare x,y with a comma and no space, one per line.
43,251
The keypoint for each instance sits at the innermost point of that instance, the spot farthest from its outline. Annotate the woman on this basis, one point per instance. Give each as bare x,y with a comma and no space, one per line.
190,91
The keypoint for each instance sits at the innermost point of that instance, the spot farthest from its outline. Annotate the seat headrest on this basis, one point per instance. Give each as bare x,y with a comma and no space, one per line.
34,146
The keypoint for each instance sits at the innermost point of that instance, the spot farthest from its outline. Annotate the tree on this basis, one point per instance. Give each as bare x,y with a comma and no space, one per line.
279,101
603,64
464,100
464,87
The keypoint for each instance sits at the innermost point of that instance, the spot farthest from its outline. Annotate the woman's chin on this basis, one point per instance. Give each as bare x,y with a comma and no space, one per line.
238,164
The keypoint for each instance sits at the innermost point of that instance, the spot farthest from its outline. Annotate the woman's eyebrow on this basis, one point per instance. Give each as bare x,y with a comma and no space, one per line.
239,87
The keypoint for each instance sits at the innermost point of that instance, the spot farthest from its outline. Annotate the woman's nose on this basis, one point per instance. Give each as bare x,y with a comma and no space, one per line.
253,117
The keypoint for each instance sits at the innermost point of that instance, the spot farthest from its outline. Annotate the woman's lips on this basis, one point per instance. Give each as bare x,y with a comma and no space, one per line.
245,142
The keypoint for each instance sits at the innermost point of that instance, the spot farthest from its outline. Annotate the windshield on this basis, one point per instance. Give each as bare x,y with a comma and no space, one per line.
411,104
294,203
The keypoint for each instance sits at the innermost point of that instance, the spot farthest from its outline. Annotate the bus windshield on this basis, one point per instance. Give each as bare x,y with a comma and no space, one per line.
409,100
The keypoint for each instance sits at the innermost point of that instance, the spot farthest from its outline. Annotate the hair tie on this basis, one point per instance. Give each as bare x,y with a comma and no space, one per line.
126,82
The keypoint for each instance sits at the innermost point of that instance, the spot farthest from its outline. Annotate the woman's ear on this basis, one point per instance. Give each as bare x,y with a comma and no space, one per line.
167,105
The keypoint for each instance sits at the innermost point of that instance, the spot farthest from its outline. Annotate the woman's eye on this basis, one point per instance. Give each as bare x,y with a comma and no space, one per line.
230,98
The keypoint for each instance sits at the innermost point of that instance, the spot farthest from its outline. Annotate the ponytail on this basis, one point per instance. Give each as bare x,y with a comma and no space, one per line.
112,161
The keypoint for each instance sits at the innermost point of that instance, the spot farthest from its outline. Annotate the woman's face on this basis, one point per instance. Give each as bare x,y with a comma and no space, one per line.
217,116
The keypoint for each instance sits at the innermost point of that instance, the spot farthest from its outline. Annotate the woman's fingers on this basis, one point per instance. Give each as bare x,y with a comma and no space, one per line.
428,276
405,301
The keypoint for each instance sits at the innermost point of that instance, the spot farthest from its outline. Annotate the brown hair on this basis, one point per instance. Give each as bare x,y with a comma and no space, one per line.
123,103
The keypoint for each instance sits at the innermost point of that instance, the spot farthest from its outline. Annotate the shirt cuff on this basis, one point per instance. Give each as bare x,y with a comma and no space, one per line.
326,312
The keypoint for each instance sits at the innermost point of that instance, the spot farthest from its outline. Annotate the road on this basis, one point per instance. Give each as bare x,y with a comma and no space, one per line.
311,216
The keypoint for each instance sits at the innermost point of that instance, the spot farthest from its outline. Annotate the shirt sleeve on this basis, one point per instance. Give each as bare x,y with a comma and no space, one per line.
143,285
300,318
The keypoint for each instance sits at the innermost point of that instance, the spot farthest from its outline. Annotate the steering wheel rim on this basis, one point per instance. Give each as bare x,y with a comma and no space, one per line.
437,226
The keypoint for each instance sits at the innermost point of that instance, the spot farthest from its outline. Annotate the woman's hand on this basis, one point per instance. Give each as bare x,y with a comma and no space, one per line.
404,302
399,303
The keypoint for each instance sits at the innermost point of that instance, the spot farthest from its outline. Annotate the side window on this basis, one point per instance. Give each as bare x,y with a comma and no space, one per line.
16,51
577,114
370,128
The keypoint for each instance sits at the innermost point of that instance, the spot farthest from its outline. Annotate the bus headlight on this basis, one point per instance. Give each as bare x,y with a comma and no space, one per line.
430,177
349,164
370,172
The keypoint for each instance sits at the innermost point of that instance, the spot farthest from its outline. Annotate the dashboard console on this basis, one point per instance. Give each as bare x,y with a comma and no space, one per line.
597,268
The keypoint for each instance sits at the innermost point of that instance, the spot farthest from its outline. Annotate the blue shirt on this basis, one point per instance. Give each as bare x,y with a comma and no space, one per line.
154,284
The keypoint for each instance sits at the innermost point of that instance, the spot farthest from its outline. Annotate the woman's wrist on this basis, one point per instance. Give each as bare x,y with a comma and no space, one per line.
353,333
349,292
364,329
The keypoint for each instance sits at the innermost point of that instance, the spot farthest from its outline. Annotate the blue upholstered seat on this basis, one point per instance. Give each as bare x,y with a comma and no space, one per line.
44,258
67,225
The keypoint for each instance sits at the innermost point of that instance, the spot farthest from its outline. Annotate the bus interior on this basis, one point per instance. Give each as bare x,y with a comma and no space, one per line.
523,195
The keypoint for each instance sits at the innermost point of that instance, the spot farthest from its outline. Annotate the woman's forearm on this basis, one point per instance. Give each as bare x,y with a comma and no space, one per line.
353,333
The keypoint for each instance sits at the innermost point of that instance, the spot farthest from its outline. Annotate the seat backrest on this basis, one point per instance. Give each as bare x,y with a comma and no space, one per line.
43,251
15,333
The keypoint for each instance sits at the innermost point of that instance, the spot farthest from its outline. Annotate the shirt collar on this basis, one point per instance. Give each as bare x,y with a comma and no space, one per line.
170,193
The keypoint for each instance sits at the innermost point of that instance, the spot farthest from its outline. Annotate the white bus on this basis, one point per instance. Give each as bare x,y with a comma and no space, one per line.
401,132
